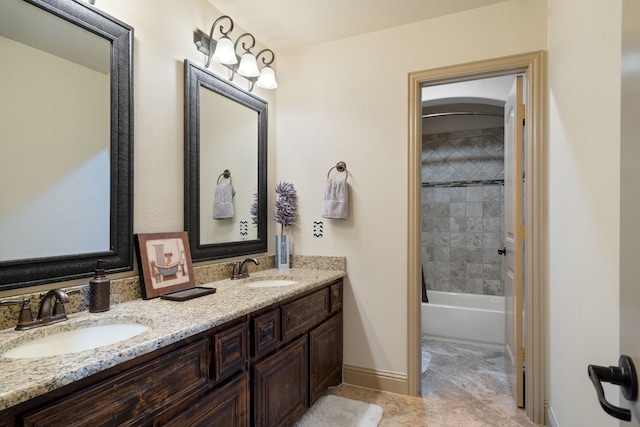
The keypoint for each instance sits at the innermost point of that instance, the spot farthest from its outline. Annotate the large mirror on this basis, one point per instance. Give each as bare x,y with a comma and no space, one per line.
225,167
66,135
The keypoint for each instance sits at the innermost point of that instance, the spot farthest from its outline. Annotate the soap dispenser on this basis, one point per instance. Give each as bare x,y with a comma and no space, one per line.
99,290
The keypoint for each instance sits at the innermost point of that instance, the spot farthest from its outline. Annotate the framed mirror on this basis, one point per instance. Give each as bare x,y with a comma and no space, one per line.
225,167
67,142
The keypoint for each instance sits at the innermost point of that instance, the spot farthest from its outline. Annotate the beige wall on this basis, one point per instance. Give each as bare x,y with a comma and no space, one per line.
348,100
584,80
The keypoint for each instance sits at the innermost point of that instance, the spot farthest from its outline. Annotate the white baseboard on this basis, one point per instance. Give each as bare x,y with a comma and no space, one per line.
551,418
376,379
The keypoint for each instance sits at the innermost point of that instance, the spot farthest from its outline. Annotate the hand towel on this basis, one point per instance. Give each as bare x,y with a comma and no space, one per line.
336,199
223,201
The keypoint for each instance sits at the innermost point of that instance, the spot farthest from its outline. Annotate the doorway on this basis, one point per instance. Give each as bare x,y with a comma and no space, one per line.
532,66
473,267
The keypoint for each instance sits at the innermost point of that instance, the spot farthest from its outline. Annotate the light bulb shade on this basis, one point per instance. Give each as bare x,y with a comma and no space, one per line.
248,66
267,79
225,52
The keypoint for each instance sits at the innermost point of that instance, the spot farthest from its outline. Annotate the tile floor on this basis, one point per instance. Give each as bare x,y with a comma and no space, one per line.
463,386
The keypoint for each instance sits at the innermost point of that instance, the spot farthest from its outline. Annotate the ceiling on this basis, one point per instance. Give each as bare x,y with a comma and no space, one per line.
290,24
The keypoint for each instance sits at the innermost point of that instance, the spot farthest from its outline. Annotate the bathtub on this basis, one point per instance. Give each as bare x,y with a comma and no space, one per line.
477,319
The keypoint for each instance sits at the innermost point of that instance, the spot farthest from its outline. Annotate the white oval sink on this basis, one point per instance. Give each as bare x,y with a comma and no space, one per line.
76,340
270,283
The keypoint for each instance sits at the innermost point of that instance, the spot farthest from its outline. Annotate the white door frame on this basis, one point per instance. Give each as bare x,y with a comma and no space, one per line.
533,65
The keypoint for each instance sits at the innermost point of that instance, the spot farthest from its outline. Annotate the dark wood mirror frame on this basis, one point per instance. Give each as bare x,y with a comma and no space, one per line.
196,77
27,272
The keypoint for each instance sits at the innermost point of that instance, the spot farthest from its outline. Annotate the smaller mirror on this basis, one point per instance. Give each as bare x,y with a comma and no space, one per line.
225,167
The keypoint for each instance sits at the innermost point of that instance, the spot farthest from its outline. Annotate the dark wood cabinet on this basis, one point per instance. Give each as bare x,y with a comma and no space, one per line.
335,297
265,333
306,361
300,315
280,384
229,353
325,357
227,406
141,396
263,369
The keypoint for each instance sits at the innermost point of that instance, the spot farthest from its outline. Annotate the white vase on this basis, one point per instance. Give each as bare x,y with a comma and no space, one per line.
282,252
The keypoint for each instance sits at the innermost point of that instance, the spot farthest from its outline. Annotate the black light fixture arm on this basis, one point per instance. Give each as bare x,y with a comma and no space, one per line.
264,61
222,31
244,45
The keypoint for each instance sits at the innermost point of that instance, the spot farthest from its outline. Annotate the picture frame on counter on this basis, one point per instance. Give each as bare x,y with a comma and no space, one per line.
166,270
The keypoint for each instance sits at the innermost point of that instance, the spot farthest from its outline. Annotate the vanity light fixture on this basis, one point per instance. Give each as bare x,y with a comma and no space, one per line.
267,79
248,65
224,51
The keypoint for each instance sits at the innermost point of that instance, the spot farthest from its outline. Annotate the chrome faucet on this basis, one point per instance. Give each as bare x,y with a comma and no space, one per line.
49,313
240,270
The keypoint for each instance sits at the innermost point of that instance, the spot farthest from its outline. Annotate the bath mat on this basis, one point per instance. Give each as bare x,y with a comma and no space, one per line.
335,411
426,359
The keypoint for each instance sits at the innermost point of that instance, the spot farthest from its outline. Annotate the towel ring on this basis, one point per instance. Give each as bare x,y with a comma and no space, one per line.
340,167
226,174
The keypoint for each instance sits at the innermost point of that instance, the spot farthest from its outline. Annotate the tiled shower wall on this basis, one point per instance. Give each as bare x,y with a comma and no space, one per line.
462,227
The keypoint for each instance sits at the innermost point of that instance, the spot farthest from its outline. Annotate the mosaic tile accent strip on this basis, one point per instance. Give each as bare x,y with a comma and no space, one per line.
464,155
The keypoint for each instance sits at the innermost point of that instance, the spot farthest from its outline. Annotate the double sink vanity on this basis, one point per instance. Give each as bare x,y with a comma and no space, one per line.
259,352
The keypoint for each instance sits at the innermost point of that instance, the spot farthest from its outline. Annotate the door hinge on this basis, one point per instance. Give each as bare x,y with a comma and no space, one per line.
521,354
521,112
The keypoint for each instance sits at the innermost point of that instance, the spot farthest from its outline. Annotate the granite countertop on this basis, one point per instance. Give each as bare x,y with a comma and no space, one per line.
169,322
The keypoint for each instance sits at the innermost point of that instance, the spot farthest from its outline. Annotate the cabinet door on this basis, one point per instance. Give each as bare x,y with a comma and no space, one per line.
325,357
227,406
280,386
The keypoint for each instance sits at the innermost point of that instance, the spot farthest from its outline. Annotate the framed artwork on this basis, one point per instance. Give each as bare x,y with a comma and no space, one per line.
164,261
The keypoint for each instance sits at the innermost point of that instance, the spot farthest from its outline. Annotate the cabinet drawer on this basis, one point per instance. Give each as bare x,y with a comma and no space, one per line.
303,314
265,332
335,295
135,397
227,406
229,352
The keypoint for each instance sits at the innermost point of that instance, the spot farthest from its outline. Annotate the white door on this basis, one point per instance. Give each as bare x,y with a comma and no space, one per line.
630,196
513,239
622,372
